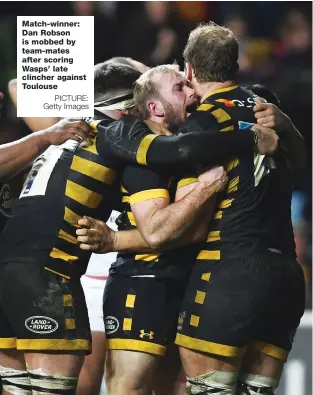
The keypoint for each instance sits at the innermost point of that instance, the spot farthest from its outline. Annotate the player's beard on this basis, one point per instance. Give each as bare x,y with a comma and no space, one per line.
171,118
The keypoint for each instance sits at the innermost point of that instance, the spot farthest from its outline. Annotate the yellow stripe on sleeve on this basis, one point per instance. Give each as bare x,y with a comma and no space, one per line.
187,181
143,148
149,194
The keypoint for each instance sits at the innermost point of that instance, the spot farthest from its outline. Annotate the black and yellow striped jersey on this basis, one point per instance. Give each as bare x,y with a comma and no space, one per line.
140,184
71,180
65,183
253,214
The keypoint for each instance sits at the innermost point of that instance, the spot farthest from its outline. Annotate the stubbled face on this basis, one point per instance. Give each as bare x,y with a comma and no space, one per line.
176,96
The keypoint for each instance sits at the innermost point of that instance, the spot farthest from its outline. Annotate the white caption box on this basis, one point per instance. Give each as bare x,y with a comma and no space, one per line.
55,66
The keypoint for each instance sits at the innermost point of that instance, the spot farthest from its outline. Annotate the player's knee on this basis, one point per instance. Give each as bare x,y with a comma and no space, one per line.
15,381
216,382
250,384
46,383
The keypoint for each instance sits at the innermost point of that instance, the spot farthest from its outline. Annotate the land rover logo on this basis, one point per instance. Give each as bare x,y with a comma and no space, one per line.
41,324
111,324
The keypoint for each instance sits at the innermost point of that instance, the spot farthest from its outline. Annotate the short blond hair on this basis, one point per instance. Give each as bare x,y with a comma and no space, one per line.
145,88
212,52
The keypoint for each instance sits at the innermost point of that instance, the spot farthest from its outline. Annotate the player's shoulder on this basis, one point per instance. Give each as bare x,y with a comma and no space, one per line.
128,127
198,121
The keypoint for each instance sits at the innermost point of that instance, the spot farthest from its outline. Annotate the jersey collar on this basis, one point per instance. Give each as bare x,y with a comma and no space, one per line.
230,88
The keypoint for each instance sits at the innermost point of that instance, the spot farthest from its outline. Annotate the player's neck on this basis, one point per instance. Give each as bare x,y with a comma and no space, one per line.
204,89
161,122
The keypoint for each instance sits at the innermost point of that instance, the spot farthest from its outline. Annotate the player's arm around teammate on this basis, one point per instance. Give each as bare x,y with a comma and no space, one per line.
15,156
269,115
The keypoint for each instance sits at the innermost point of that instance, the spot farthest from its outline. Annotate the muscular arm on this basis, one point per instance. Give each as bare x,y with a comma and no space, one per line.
192,231
34,123
164,225
14,157
191,228
198,230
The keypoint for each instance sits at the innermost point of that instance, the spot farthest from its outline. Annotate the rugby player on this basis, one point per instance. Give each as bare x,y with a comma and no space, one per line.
48,327
99,238
125,311
246,289
238,145
142,295
17,155
45,328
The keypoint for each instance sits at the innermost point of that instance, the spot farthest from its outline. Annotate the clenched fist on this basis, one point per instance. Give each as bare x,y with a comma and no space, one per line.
95,236
269,115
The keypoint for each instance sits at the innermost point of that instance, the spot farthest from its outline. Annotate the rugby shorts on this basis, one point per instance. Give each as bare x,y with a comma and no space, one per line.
233,304
42,311
140,313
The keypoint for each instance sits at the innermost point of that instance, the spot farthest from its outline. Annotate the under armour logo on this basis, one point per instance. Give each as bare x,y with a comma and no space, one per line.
150,335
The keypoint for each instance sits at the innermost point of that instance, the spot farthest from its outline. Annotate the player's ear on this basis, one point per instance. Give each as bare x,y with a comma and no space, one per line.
188,71
155,108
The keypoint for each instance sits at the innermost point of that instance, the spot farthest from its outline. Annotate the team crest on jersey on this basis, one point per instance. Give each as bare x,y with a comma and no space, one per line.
111,325
181,319
41,324
5,200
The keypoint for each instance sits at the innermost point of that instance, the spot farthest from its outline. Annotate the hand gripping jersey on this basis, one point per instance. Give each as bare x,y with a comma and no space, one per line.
69,181
253,214
65,183
141,184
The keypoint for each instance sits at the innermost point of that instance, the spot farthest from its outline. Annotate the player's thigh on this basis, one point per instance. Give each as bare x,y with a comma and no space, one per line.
13,373
257,363
12,359
219,313
129,369
90,377
169,378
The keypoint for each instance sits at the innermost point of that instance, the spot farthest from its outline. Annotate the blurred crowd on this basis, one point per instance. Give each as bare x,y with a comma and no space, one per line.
275,50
